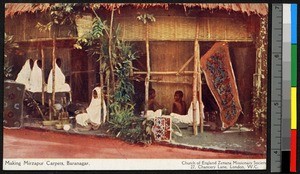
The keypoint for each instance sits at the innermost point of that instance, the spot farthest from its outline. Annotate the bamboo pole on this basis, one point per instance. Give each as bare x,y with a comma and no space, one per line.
43,76
53,68
163,72
148,69
196,55
50,109
101,85
110,50
107,98
185,64
200,93
162,81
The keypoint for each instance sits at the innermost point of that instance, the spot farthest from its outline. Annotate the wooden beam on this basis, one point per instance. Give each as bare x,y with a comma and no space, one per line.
247,40
162,81
48,39
185,64
163,72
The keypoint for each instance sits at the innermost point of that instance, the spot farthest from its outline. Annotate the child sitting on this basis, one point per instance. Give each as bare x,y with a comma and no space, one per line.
179,106
152,103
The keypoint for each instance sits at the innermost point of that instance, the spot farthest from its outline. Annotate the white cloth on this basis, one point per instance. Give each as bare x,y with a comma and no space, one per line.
188,119
36,80
151,114
82,119
24,75
93,114
60,84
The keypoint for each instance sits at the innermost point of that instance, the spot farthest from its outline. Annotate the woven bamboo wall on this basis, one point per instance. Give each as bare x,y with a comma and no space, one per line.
170,56
171,28
23,27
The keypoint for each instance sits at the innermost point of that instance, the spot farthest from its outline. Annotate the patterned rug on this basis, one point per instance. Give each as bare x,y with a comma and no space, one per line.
162,128
220,79
13,104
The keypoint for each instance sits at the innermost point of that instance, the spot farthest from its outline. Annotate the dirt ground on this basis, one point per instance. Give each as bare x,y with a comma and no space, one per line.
26,143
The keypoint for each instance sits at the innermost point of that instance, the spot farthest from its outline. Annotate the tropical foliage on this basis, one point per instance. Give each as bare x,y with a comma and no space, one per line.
123,123
10,46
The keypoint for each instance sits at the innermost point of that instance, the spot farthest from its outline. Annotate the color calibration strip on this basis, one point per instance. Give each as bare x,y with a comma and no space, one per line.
293,155
276,87
286,90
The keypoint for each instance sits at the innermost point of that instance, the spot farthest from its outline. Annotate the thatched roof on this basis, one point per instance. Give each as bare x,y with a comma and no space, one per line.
12,9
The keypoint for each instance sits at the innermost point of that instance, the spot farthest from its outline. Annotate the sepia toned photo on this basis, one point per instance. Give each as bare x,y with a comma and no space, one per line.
135,86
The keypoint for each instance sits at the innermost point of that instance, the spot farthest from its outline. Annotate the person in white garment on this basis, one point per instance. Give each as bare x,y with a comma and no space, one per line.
24,74
60,84
93,116
36,81
188,119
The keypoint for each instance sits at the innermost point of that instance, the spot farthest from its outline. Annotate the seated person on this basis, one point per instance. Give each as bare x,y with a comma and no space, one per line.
93,116
179,106
24,75
60,84
152,103
35,81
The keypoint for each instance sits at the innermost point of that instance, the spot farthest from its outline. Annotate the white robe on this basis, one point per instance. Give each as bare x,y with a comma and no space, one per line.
93,114
24,75
188,119
36,81
60,84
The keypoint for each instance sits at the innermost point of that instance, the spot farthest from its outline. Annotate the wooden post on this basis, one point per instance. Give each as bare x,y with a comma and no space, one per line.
196,57
107,97
148,70
110,50
43,76
200,92
53,68
50,109
101,85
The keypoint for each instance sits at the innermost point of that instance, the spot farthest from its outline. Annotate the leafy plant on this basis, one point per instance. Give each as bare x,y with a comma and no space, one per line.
61,14
96,42
10,46
145,18
126,125
123,122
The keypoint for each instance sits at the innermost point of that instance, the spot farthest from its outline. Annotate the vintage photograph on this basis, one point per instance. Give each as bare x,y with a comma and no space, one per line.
86,82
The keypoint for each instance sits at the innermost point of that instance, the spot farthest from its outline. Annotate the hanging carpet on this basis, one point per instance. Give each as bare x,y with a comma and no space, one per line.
220,79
